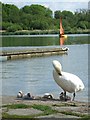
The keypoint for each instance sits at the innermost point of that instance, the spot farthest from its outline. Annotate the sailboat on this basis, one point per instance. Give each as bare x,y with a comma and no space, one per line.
62,30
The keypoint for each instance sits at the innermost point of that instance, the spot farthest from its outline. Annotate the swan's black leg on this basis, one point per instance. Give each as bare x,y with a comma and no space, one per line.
65,95
73,96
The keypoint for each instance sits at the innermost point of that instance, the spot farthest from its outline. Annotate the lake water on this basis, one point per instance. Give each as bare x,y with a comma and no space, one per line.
34,75
41,40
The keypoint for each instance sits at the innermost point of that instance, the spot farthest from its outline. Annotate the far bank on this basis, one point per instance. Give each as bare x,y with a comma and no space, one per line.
43,32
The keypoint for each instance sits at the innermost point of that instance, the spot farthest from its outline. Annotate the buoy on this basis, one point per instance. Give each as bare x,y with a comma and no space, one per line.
65,36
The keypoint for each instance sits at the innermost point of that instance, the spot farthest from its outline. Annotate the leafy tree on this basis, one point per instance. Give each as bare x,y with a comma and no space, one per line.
5,25
14,28
48,13
26,9
83,25
11,12
57,14
67,14
37,10
39,17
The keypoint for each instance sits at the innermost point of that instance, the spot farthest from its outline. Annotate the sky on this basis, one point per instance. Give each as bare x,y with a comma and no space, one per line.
70,5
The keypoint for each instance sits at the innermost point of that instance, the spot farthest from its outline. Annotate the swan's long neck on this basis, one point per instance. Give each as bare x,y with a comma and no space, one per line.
57,67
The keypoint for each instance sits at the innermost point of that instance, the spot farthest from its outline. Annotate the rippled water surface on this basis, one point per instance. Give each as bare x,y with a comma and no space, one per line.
34,75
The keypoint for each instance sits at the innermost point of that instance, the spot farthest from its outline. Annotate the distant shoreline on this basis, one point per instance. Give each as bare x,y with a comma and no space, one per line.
41,32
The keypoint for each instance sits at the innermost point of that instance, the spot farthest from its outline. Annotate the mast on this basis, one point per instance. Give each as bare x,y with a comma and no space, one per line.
61,28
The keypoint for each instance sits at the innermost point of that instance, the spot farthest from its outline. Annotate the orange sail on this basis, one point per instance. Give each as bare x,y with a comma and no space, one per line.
61,28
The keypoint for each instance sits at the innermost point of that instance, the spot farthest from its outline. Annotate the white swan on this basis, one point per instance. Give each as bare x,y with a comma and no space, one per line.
67,81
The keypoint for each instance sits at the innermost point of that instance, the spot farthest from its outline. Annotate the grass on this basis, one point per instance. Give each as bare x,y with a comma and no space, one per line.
7,116
85,118
47,110
17,106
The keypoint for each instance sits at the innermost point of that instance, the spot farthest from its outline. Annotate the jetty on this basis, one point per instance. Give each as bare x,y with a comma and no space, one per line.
33,52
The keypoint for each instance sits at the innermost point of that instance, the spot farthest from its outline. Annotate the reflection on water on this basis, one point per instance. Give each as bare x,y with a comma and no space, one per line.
44,40
62,41
35,74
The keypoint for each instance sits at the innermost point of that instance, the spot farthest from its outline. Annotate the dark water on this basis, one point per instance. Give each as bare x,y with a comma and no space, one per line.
46,40
35,74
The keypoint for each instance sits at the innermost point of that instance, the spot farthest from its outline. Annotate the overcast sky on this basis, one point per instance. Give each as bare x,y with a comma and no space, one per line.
71,5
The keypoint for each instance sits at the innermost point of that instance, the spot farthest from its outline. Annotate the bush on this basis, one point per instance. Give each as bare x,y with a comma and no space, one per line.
5,25
14,28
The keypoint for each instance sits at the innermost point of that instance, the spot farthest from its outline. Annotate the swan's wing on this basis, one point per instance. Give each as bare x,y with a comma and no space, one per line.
68,82
74,80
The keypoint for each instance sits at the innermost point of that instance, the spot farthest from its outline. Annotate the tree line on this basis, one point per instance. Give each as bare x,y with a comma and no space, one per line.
38,17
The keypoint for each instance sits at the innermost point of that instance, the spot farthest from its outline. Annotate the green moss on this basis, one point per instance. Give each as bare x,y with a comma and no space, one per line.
5,115
85,118
17,106
46,109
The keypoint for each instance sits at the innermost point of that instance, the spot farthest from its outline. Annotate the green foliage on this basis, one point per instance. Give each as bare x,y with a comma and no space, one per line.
37,10
72,22
83,24
10,13
5,25
57,14
38,17
13,28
